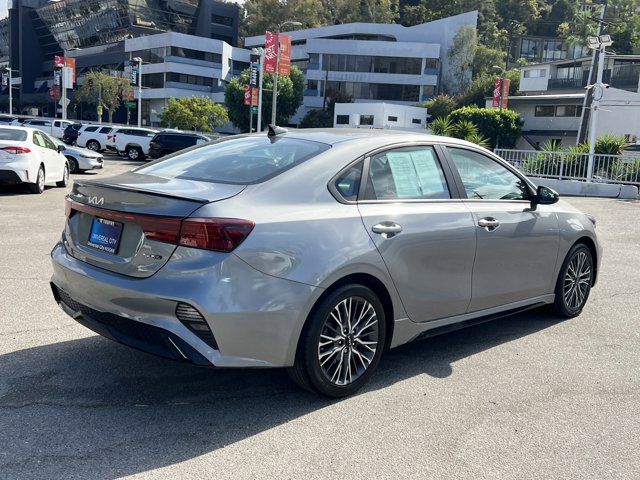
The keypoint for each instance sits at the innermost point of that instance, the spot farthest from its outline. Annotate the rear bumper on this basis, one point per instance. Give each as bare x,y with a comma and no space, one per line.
17,171
256,319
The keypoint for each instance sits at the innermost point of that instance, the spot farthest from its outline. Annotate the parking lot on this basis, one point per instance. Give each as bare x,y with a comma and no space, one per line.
523,397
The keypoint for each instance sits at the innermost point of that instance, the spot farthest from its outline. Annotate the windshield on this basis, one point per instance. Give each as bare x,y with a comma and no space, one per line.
13,135
240,160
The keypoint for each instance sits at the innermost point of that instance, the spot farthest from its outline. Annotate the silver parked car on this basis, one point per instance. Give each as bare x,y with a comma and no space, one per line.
316,250
80,159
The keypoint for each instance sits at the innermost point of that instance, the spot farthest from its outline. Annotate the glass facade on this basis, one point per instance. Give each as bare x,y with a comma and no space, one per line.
366,63
376,91
196,55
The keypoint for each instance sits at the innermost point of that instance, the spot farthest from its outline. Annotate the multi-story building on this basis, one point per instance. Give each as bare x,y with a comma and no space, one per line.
552,94
374,62
94,32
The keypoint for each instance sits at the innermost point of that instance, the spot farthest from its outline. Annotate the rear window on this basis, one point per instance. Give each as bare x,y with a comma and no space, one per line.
238,161
13,135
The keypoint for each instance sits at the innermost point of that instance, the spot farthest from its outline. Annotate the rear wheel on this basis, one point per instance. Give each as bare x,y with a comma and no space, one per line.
93,145
341,345
134,153
65,177
38,186
574,282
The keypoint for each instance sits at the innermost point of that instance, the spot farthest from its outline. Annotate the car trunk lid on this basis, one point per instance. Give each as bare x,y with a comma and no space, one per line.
127,224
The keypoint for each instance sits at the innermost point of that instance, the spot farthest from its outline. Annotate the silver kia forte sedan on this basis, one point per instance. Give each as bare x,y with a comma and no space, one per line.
316,250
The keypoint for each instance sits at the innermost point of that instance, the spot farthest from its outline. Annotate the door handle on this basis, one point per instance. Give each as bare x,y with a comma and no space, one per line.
488,223
387,229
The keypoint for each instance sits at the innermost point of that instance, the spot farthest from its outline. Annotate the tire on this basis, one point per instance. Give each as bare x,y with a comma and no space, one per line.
134,153
93,145
574,282
38,187
65,177
343,362
73,165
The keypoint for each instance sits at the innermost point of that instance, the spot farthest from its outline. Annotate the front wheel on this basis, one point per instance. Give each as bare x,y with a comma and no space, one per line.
341,345
73,165
134,153
574,282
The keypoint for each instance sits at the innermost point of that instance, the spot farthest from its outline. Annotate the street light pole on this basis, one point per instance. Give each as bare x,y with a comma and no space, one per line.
259,126
8,70
275,74
599,43
138,60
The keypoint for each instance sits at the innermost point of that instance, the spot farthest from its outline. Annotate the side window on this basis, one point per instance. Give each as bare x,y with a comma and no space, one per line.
348,183
48,143
38,140
201,140
484,178
105,130
91,129
406,173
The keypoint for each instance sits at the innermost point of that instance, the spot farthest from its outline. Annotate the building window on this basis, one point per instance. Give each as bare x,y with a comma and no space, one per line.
529,48
416,121
190,79
392,118
366,119
568,110
153,80
535,73
312,85
544,110
554,50
342,119
366,63
152,55
196,54
222,20
376,91
432,64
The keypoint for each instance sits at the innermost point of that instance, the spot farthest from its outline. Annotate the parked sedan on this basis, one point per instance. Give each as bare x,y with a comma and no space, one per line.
80,159
29,156
316,250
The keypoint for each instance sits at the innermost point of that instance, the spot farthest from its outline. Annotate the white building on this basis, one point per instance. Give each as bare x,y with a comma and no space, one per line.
551,98
177,65
374,62
379,115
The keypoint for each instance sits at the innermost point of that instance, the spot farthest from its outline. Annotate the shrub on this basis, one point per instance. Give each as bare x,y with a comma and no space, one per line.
610,144
441,126
501,128
440,106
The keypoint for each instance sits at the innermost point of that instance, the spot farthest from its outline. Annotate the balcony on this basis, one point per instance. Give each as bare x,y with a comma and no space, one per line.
624,77
567,83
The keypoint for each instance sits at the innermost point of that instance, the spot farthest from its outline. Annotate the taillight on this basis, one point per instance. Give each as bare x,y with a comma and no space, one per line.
220,234
16,150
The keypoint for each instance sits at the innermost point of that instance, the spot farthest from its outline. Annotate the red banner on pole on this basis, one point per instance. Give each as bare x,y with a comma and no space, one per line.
254,96
501,88
270,52
247,95
284,64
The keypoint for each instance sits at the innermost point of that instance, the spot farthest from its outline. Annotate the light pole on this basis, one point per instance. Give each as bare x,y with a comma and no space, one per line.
596,43
275,74
138,60
9,72
259,51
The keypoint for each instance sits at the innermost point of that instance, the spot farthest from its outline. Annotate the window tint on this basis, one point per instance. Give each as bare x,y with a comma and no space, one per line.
38,140
544,111
91,129
201,140
105,129
342,119
48,143
409,172
485,178
237,160
348,183
13,135
392,118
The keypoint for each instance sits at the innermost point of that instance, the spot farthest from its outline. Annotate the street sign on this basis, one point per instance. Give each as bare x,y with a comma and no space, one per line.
54,93
130,105
254,74
135,68
99,110
57,75
254,110
5,79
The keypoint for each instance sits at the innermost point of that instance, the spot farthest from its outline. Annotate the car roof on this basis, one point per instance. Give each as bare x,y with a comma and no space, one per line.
373,136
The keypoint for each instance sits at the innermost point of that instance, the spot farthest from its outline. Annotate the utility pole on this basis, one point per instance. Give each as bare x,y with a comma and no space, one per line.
63,86
260,51
275,74
588,98
9,79
601,43
138,60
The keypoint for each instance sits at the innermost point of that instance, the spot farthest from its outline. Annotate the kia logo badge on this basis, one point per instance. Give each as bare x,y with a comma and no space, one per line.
96,201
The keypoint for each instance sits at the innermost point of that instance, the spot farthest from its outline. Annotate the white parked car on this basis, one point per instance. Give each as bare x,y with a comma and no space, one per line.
54,128
134,142
80,159
30,156
94,137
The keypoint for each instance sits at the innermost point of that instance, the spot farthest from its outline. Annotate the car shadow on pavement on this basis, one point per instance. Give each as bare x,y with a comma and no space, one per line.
90,408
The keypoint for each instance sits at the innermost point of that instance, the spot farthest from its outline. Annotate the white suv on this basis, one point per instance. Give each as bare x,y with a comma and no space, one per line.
133,142
94,137
55,128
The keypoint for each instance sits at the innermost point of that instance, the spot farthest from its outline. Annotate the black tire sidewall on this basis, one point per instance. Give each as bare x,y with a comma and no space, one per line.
93,142
73,165
35,187
560,304
309,356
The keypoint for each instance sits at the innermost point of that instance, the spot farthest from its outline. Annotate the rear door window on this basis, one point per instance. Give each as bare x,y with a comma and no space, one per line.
91,129
38,140
240,161
105,130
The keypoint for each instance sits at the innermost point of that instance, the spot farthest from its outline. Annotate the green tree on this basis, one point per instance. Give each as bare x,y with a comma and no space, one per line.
485,58
193,113
461,55
290,91
103,90
498,127
482,87
440,106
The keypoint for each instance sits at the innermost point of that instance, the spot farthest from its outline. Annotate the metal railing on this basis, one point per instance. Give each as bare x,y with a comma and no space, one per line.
563,165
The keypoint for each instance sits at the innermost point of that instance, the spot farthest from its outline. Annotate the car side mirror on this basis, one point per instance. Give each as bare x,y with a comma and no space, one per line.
545,196
61,148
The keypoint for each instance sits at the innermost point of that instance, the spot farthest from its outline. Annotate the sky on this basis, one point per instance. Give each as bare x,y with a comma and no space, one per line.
3,8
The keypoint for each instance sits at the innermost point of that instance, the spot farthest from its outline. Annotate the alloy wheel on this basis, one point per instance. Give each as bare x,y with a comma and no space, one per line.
348,340
93,146
577,281
41,180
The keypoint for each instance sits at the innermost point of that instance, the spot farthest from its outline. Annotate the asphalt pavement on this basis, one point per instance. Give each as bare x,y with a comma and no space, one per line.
526,397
